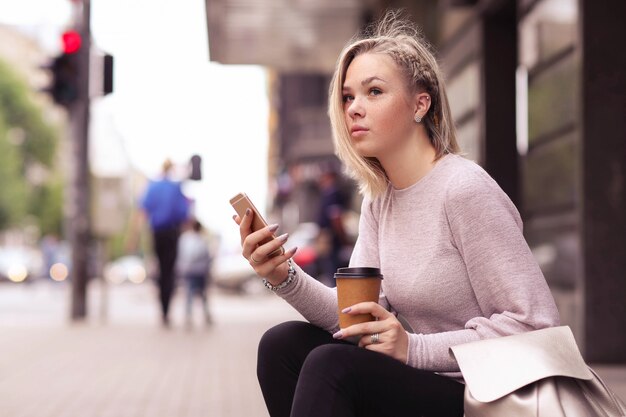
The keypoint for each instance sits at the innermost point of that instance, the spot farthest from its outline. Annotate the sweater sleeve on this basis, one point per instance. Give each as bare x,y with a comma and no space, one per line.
315,301
507,282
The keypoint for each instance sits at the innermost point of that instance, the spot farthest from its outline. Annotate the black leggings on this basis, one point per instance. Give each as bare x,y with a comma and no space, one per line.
304,372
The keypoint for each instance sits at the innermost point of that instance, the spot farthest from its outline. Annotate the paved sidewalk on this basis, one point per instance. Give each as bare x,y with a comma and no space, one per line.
131,366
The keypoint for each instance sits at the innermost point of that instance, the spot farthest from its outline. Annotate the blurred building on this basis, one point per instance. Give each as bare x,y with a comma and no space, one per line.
538,93
298,42
539,97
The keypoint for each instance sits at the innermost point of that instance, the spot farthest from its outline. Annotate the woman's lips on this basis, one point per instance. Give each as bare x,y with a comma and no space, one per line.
358,131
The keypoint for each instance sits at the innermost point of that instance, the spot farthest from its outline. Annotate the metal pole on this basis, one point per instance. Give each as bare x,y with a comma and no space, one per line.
80,230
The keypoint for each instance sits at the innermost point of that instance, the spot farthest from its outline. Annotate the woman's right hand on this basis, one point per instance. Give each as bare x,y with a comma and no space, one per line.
275,269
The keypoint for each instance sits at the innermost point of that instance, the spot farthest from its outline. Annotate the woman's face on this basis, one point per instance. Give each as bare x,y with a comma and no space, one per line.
377,106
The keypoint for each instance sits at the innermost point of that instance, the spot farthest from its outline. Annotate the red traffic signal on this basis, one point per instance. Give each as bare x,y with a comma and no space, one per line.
71,41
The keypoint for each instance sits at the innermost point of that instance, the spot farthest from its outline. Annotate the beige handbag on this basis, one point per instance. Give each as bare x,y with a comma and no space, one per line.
539,374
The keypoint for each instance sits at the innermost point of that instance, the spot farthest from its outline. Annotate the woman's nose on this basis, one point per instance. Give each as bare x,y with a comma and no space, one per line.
355,109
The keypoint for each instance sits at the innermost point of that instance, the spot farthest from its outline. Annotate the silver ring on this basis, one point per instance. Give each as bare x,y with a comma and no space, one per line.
374,338
254,261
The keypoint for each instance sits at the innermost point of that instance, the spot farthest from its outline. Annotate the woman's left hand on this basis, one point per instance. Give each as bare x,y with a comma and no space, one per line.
392,339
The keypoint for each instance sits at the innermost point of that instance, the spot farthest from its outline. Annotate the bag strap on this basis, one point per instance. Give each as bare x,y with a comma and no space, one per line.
619,404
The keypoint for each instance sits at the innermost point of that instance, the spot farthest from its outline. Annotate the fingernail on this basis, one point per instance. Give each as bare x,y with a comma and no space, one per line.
234,217
338,335
273,228
283,237
293,250
346,310
248,211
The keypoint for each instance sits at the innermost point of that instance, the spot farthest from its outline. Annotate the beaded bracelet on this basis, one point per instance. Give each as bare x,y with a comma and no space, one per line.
291,275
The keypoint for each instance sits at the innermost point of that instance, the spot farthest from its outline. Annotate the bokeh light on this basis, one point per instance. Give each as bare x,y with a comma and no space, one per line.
137,274
59,272
17,273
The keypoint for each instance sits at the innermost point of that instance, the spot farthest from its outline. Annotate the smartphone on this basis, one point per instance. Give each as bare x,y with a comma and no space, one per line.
240,203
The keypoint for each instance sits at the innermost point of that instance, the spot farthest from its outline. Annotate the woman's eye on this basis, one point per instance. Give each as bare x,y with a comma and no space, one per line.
375,91
347,98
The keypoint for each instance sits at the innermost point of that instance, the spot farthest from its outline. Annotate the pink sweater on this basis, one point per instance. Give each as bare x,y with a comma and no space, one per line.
456,265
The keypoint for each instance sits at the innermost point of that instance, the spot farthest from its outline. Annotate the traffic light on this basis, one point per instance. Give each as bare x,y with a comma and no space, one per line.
65,71
196,168
64,89
107,85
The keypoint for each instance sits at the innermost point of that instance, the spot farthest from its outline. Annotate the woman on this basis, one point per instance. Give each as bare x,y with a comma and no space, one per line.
447,239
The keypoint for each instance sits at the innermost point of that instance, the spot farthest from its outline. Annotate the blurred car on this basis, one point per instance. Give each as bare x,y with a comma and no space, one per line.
305,237
130,268
20,263
232,272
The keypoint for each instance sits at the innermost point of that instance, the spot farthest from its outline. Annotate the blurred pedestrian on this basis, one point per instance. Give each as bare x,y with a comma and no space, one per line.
166,208
194,265
50,246
448,240
332,234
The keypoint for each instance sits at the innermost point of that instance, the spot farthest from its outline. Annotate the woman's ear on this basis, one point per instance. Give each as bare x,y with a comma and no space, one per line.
422,105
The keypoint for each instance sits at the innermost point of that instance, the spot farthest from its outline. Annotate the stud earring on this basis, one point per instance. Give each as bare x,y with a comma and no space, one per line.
418,119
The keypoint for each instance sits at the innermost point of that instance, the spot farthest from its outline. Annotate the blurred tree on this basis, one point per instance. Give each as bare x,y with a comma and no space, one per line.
27,144
47,206
12,184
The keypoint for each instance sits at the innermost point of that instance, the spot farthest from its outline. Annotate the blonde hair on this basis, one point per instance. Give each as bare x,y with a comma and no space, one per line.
398,38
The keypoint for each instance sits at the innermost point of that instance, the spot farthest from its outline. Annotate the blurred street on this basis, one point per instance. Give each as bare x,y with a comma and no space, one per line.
130,365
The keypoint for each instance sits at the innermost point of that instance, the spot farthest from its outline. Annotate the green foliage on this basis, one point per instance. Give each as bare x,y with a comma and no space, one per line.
12,184
35,144
46,204
20,111
116,246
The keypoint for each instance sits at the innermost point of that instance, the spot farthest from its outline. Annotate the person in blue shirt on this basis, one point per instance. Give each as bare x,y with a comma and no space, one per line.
166,209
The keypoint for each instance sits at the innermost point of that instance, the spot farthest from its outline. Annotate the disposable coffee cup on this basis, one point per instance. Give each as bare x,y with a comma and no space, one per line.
356,285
